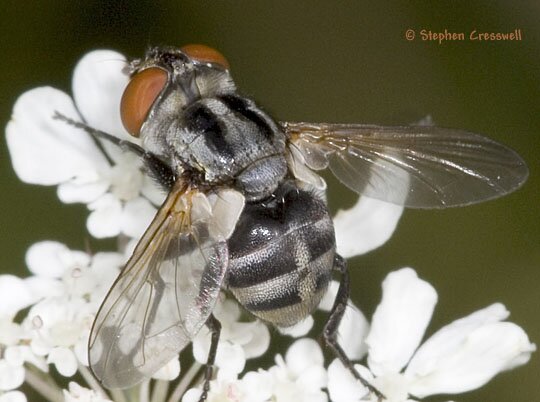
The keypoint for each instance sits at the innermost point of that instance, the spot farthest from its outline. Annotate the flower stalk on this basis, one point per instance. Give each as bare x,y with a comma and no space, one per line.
43,385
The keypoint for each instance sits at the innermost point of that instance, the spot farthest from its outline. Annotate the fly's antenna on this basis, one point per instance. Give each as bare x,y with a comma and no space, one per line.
122,144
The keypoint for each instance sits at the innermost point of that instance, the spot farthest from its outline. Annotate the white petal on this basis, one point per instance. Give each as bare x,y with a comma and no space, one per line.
230,357
352,332
446,341
353,328
39,346
37,361
260,340
201,345
42,287
106,218
64,360
257,386
231,360
10,333
105,268
303,354
168,372
13,396
226,209
329,297
136,217
77,393
313,377
11,377
192,395
44,259
485,352
51,259
14,355
394,387
106,261
150,190
14,295
227,311
98,85
299,329
81,351
399,321
342,386
47,151
366,226
126,177
77,191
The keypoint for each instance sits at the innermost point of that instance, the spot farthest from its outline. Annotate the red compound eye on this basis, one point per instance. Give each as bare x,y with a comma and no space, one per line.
205,54
139,96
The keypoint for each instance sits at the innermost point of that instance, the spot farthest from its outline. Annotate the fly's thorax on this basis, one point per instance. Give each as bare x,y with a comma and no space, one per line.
226,138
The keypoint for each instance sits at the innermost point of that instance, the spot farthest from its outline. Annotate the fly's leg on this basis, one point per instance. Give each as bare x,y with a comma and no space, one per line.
332,325
157,169
215,327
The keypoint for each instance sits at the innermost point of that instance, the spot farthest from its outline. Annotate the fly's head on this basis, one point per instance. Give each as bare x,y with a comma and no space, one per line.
164,83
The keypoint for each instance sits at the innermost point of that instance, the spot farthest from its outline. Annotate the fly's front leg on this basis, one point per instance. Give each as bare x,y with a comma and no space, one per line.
332,325
215,327
156,168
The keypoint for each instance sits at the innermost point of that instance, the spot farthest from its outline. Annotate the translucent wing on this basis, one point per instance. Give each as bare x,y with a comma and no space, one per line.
163,296
416,166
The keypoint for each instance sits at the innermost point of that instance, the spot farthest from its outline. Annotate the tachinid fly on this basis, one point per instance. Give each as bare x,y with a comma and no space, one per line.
246,210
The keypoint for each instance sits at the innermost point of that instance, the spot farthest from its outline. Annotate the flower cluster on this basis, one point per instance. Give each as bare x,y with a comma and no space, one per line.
45,318
63,295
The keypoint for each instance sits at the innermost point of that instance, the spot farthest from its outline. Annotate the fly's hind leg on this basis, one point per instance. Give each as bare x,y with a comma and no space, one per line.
215,327
332,325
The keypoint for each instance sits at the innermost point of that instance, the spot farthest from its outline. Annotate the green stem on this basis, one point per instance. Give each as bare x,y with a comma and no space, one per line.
159,392
184,382
51,392
144,391
118,395
134,393
92,382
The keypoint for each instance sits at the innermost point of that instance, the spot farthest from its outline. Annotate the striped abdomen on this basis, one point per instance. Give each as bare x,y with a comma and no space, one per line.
281,256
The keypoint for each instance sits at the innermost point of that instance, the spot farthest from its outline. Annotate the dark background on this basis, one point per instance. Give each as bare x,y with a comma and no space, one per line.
338,62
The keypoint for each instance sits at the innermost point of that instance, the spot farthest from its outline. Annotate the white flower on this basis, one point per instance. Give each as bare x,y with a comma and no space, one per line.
460,357
76,393
61,272
238,340
353,326
51,152
299,377
168,372
70,286
253,387
15,294
13,396
365,227
11,375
